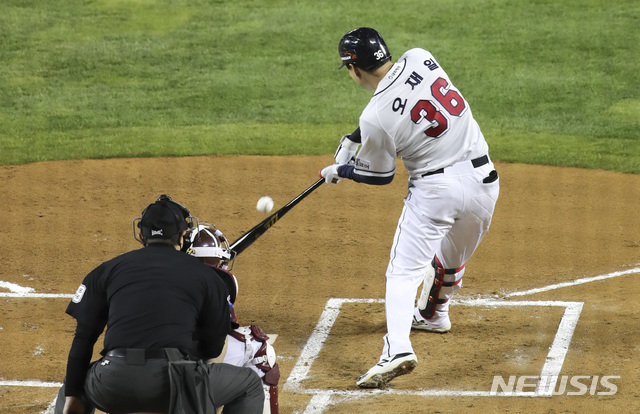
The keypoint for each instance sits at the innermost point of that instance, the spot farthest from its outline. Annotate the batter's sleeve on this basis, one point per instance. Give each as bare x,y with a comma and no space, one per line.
376,160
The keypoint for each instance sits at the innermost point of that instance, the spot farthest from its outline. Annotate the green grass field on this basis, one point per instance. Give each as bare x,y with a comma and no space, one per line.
550,82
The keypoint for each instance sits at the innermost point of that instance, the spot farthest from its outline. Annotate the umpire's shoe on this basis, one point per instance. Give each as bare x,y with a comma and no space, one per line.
387,369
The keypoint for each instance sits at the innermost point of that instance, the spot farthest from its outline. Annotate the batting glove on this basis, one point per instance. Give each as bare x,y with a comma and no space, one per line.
346,152
330,174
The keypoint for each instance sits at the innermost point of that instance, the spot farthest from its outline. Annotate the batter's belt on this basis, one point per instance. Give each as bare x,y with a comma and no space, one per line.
476,162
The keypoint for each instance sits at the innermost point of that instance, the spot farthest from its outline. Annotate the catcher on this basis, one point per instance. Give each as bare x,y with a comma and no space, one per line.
247,346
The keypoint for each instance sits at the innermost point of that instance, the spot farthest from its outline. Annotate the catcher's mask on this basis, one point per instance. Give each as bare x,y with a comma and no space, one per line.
208,244
163,219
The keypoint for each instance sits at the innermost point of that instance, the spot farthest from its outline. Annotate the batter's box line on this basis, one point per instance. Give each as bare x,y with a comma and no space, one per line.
30,383
322,397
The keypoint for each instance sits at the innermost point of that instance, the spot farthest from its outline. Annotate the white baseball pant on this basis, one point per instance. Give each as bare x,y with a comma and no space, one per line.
444,214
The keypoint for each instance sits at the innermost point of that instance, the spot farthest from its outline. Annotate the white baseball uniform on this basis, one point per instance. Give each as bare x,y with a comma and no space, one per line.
418,115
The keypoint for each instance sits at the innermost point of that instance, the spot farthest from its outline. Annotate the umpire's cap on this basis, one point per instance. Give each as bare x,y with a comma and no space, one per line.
163,219
364,48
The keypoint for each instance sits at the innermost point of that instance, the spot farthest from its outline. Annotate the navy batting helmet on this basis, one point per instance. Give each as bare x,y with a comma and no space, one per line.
364,48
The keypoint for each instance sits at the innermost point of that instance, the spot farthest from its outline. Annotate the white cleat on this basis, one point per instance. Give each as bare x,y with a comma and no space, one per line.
440,323
387,369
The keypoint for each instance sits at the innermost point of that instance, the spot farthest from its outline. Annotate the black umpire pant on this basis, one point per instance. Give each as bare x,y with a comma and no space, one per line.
122,384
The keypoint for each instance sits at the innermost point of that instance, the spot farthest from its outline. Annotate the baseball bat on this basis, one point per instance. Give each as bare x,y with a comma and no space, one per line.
252,235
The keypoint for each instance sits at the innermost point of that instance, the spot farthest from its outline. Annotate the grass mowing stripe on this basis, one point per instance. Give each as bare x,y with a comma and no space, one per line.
261,139
78,77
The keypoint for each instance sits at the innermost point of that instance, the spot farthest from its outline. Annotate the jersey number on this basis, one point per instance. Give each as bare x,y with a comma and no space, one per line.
451,101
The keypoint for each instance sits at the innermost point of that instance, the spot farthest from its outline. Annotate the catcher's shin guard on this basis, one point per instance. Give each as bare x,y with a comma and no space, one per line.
270,383
265,360
438,286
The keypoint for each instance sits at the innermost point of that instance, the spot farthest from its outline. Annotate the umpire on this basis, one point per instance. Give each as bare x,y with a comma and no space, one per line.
152,300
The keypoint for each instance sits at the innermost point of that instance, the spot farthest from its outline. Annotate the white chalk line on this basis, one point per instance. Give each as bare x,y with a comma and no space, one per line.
549,373
322,398
35,295
51,408
15,287
315,342
573,283
30,383
17,291
325,395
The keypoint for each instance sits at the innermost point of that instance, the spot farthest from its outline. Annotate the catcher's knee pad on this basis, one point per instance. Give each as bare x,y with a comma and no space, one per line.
264,359
443,283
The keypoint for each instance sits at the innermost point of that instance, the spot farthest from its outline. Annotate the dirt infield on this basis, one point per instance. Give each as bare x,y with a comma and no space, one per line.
552,226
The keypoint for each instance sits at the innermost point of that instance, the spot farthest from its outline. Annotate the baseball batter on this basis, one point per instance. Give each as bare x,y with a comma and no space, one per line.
417,114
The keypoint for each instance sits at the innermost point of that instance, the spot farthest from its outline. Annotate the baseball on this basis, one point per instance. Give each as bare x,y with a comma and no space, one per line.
265,204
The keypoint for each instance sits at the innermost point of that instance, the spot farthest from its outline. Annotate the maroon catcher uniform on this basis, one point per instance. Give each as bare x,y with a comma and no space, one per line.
247,346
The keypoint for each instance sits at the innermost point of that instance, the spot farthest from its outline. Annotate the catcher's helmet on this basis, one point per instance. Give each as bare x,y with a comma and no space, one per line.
364,48
163,219
208,244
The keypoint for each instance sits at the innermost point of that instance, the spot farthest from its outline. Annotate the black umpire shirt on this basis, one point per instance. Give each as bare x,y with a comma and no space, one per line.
153,297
